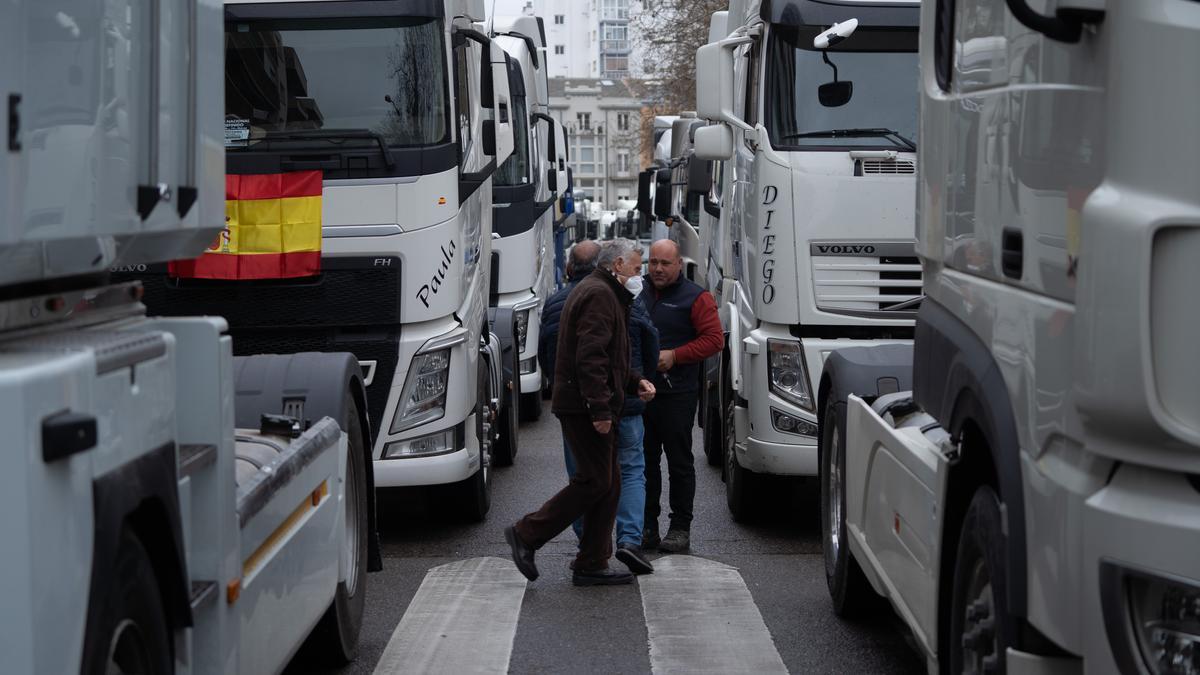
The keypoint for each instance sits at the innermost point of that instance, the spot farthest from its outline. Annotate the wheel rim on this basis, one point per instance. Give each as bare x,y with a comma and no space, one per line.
834,497
128,652
350,549
980,648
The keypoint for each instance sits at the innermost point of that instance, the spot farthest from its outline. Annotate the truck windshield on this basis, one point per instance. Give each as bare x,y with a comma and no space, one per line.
881,110
382,76
515,170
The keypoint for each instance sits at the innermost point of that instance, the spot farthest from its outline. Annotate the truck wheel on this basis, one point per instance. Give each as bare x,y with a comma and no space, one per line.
848,587
740,484
473,496
504,452
713,434
336,636
979,605
531,406
135,623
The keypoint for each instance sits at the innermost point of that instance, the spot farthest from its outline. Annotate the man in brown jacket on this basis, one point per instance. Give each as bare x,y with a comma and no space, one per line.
591,376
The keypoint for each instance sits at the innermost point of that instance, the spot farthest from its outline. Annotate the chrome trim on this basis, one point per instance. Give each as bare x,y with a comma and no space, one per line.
443,342
342,231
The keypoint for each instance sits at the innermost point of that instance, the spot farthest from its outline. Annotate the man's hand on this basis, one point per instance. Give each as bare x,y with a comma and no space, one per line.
646,390
602,426
666,360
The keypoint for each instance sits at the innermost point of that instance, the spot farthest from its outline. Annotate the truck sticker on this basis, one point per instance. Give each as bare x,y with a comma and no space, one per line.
767,246
237,131
435,282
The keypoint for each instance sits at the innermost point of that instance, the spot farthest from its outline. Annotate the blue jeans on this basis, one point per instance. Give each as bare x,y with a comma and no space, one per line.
632,506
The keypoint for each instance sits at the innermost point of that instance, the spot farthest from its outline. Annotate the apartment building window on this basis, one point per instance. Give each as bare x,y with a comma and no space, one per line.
616,66
623,161
584,120
622,121
559,19
560,50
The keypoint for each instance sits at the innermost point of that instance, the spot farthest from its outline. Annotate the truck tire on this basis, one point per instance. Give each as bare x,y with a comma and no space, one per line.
979,604
504,452
741,485
135,624
849,589
714,434
531,406
335,638
473,496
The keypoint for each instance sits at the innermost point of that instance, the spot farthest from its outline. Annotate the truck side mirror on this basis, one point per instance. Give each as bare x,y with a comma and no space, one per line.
699,176
644,201
835,94
714,142
714,81
662,196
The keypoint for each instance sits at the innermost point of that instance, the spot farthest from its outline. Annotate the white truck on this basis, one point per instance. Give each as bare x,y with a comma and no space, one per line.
817,140
407,148
167,506
527,189
1021,483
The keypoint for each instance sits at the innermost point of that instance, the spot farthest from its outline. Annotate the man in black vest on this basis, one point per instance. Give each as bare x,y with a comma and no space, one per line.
689,331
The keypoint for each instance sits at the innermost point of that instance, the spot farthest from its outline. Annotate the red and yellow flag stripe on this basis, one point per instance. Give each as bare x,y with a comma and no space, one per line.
272,230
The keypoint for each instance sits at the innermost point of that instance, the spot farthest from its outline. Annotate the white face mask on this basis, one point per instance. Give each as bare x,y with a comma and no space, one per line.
634,285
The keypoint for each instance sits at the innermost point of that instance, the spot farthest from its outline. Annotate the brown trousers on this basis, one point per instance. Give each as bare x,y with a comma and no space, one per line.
592,494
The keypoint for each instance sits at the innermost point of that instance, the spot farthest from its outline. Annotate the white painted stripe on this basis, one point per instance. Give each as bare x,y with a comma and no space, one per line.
462,619
702,619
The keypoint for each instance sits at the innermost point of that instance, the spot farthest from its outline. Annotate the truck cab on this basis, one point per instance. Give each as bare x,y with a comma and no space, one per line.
406,151
527,189
817,142
1020,484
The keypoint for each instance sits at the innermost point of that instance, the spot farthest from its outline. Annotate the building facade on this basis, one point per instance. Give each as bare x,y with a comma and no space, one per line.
589,38
603,122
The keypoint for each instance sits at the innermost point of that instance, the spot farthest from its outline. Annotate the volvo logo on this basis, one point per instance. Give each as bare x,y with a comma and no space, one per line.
846,249
879,249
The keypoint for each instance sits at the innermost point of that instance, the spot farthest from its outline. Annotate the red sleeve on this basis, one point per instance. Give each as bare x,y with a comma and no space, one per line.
709,336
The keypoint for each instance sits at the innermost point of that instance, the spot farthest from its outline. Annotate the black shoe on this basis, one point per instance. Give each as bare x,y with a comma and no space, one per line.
650,539
522,555
632,557
604,577
676,541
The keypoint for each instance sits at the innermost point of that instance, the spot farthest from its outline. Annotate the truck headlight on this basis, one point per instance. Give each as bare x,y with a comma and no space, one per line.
787,374
1166,621
440,443
522,318
424,396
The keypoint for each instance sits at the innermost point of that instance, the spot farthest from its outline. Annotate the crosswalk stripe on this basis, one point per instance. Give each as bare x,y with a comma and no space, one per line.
701,618
462,619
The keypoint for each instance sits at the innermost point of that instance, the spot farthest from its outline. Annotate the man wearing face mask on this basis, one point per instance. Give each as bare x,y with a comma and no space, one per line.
643,355
592,376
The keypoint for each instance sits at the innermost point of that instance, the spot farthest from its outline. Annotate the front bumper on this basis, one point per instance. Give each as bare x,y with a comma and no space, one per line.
780,459
451,467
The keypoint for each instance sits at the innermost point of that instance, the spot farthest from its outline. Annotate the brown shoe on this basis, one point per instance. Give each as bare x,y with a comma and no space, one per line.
676,541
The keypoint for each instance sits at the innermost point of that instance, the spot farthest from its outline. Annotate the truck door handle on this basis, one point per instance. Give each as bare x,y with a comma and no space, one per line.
1012,253
67,433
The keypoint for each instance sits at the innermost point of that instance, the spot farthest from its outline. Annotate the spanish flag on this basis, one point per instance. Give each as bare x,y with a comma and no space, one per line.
272,230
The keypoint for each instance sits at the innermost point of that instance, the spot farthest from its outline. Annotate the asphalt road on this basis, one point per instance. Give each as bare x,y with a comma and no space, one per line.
563,629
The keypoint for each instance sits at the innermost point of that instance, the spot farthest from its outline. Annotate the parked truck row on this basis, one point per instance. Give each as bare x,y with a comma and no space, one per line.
1001,412
240,291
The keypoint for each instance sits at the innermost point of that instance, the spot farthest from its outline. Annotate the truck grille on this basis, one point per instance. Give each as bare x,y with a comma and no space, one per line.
866,279
886,167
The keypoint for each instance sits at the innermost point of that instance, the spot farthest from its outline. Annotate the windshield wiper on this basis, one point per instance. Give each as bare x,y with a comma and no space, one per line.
894,136
337,136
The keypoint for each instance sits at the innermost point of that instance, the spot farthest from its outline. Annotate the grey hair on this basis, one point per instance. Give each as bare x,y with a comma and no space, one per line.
613,249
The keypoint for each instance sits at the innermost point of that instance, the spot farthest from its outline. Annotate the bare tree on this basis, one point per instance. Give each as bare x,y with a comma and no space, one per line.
670,32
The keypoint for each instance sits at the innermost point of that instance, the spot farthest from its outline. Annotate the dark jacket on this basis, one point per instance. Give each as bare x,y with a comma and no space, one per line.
592,372
643,351
687,321
548,333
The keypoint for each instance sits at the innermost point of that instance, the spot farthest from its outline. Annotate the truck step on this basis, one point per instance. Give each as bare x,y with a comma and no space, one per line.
194,457
202,593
